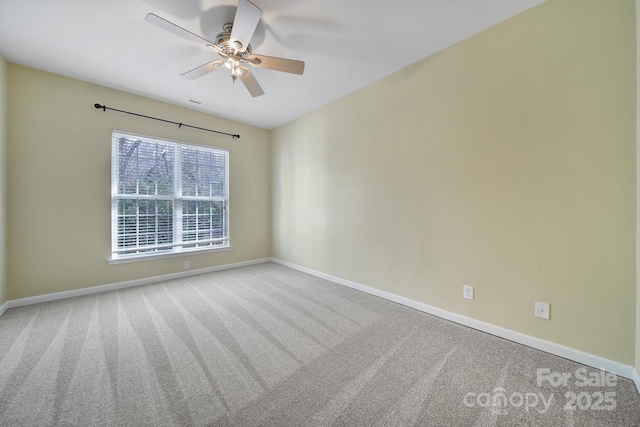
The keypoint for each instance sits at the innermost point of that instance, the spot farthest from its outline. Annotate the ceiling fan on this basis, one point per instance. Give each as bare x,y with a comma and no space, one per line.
233,46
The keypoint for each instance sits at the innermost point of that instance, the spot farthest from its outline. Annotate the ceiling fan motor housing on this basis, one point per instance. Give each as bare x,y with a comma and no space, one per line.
223,40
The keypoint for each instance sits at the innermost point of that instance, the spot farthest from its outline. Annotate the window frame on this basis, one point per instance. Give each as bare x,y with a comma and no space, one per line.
176,247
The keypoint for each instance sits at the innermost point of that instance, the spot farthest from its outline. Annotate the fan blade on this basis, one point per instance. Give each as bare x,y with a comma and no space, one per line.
244,24
200,71
250,82
181,32
277,64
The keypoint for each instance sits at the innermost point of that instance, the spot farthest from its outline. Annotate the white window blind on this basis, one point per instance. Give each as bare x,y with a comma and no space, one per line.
167,197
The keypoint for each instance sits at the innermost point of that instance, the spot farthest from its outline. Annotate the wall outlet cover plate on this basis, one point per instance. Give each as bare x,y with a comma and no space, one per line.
542,310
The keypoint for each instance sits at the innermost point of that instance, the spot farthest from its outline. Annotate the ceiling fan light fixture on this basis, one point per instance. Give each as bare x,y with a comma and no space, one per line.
231,63
233,45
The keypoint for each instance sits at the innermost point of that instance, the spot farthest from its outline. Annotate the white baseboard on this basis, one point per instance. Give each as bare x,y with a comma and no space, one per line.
636,378
4,307
121,285
579,356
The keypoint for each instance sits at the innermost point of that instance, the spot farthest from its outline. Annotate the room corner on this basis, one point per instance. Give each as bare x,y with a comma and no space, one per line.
3,187
637,352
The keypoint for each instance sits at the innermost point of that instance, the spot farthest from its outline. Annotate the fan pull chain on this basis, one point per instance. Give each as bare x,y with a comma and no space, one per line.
233,90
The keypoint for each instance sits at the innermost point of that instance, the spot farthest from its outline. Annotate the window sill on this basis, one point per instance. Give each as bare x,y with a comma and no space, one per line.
151,257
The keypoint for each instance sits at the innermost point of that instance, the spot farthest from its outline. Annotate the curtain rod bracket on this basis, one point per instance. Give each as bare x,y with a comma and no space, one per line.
105,108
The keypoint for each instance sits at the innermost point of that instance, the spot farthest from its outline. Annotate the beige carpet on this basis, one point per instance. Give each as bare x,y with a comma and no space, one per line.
267,345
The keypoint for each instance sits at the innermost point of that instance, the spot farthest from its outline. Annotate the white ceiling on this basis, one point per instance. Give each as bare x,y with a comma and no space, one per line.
346,44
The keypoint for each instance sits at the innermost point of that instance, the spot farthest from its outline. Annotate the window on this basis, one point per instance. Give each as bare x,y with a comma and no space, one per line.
167,197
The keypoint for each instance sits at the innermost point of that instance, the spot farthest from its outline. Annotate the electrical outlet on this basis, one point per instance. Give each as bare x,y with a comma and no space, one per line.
468,292
542,310
186,265
294,251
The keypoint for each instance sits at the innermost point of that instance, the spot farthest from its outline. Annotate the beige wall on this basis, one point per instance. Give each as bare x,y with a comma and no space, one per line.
59,149
637,359
506,162
3,174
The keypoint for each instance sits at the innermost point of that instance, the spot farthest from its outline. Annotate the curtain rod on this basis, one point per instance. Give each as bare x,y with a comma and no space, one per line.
105,108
